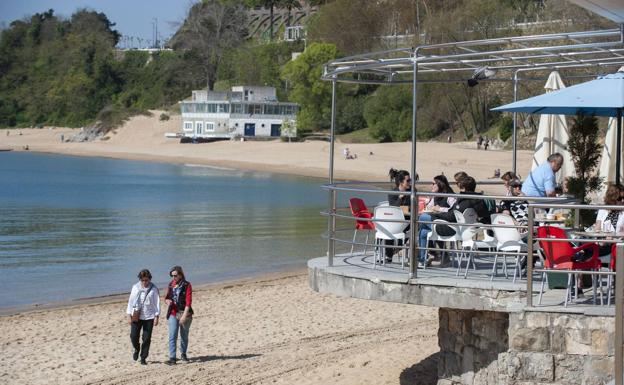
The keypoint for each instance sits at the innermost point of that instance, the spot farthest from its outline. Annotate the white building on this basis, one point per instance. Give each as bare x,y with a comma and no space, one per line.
245,111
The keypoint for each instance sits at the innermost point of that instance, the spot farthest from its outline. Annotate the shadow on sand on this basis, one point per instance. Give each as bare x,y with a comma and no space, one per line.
424,372
218,358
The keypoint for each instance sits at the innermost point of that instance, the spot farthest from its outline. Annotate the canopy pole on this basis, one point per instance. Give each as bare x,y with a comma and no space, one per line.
331,243
414,249
514,136
618,151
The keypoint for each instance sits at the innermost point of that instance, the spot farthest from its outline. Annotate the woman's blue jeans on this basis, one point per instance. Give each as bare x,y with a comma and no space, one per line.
423,230
174,326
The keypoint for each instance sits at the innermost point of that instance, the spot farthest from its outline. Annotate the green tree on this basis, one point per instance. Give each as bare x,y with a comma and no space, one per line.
212,28
313,94
388,113
585,151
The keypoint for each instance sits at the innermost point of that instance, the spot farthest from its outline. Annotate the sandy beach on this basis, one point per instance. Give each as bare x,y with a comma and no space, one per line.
142,138
267,330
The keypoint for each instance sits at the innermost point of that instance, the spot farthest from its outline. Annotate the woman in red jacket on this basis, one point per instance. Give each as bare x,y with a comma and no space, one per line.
179,314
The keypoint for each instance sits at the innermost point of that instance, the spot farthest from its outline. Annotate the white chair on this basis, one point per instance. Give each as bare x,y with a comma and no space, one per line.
453,239
390,225
468,241
383,203
508,239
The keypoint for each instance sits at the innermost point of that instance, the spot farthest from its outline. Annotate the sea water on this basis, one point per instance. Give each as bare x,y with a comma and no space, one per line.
76,227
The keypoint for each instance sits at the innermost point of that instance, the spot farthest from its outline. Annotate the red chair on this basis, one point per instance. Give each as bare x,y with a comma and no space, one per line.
362,220
559,256
610,278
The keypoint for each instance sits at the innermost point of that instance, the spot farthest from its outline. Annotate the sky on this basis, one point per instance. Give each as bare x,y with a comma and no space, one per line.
132,17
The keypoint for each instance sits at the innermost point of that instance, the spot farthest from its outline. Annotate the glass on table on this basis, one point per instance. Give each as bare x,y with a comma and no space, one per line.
597,226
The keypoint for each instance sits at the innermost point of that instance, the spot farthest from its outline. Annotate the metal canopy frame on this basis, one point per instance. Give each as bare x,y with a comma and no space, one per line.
458,62
454,61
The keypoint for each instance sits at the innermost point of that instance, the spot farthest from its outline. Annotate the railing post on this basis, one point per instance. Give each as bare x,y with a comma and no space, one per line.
514,136
529,267
331,243
619,298
413,250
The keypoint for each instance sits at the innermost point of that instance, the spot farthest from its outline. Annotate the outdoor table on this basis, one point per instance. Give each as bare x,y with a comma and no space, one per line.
597,234
546,221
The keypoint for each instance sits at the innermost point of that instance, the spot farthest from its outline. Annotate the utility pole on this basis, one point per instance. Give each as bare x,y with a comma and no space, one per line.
155,31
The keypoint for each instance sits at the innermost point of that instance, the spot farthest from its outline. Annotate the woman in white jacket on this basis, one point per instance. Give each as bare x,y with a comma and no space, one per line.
611,220
145,299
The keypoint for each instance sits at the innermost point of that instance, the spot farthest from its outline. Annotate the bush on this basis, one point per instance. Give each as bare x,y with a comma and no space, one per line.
388,112
505,128
164,117
350,115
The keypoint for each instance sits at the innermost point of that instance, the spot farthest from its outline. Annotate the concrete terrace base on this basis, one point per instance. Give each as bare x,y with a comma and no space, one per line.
486,334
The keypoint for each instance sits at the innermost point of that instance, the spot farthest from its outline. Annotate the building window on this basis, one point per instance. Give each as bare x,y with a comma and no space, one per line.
210,126
199,128
224,108
188,126
237,108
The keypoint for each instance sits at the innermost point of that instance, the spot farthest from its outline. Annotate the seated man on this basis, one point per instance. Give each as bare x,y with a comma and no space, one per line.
466,186
541,181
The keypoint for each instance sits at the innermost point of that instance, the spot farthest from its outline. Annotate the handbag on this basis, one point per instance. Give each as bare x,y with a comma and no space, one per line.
136,312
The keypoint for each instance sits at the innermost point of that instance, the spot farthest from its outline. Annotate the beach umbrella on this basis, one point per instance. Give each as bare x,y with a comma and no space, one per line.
608,160
552,135
603,96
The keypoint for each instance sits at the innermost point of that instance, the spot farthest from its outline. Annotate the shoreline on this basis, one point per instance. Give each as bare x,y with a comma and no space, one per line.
143,138
123,296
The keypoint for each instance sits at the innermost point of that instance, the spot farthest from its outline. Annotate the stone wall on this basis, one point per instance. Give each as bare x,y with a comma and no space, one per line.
470,343
558,348
525,348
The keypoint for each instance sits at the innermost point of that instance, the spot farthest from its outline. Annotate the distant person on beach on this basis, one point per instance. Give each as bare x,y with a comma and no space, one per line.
179,313
479,141
346,153
541,181
145,300
62,138
486,143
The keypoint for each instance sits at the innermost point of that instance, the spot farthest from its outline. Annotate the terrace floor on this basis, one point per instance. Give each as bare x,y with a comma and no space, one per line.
357,276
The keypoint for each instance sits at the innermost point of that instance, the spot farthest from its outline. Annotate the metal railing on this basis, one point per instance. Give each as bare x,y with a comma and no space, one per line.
413,248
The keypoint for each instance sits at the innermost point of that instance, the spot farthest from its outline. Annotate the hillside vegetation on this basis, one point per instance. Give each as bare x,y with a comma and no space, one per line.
67,72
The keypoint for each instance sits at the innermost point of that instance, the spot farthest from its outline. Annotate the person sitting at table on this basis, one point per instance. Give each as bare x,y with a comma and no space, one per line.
610,220
440,185
459,176
403,184
518,209
466,186
541,181
507,178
